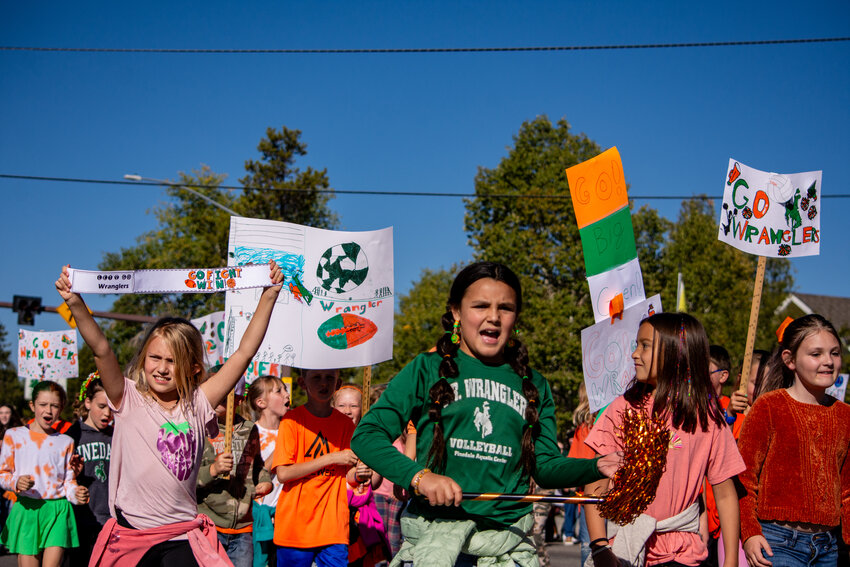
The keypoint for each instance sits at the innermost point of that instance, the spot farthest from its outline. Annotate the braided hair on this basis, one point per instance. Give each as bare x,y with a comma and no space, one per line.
515,354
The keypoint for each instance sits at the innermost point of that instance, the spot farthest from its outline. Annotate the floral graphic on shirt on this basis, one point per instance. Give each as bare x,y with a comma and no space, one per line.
176,444
482,420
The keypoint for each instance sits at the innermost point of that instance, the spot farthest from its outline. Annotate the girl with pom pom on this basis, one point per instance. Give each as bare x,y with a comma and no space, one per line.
671,387
485,422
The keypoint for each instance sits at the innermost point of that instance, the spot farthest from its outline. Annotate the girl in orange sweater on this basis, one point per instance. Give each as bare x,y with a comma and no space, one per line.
795,442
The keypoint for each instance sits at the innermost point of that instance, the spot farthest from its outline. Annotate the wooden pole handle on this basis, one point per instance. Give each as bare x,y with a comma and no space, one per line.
228,426
751,328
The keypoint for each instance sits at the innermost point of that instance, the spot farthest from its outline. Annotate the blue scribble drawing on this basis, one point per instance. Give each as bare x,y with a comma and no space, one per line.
292,265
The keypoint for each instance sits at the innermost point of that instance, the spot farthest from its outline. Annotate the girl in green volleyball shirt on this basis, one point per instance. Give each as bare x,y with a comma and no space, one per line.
485,422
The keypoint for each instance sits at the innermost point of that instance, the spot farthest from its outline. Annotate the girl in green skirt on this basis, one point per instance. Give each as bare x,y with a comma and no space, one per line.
35,463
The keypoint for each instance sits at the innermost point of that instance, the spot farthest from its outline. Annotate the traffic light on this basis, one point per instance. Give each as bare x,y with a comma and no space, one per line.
26,307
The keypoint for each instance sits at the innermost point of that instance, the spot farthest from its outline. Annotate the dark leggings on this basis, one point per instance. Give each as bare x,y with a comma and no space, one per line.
163,554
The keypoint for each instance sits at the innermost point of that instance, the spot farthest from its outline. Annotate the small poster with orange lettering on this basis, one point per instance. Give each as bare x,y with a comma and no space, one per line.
46,355
771,214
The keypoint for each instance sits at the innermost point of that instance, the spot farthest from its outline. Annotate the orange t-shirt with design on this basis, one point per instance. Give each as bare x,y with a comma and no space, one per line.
312,511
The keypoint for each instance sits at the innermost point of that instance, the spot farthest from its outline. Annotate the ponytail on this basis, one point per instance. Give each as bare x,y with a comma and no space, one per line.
441,393
516,354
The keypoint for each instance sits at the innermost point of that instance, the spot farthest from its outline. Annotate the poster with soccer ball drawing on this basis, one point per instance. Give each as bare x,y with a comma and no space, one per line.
337,303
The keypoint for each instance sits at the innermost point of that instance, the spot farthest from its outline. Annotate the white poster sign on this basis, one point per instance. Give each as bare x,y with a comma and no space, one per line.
626,279
606,350
44,355
771,214
211,328
839,389
337,303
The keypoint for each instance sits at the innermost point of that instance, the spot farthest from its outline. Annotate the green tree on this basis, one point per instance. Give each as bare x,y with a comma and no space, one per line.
11,389
719,280
275,189
191,232
417,324
538,238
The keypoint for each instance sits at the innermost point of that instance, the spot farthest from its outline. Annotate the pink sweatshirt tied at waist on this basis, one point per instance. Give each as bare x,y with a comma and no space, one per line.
117,545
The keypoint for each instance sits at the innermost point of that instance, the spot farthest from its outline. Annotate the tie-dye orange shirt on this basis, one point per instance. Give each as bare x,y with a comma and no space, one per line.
47,458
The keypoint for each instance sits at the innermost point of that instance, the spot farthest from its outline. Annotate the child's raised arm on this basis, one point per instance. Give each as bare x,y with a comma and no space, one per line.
106,361
217,387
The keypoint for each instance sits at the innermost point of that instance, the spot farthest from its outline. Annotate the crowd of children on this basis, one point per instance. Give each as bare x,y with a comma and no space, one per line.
144,477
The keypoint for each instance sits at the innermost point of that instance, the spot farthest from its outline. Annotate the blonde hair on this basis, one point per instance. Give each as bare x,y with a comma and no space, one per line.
258,389
357,390
582,414
186,346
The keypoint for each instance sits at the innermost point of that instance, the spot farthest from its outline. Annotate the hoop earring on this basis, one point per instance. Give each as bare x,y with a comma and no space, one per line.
455,335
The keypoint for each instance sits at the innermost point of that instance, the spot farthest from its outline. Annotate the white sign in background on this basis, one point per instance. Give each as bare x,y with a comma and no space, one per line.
211,328
771,214
337,303
626,279
606,352
839,389
46,355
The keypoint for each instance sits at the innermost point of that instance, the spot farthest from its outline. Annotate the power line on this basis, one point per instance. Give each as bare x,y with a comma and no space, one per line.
426,49
360,192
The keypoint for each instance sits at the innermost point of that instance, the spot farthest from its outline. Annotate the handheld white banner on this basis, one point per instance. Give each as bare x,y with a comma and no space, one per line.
606,350
179,280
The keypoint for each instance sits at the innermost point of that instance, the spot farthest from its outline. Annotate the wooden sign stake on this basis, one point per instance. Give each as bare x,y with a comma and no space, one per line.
367,390
228,426
751,328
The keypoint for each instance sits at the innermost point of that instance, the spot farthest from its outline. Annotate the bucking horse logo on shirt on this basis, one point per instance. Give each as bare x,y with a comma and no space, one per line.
482,420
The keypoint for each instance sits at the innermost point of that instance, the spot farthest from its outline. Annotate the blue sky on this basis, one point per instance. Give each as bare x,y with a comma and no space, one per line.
400,122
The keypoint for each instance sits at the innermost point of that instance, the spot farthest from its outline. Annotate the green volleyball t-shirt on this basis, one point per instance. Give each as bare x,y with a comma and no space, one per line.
483,430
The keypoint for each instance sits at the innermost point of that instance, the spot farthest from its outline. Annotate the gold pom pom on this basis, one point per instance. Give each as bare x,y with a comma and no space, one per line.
645,443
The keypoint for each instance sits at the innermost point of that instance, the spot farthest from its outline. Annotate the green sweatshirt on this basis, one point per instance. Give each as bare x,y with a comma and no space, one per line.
483,429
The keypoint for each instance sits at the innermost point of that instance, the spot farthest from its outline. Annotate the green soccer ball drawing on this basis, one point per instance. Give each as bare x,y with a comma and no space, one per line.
342,267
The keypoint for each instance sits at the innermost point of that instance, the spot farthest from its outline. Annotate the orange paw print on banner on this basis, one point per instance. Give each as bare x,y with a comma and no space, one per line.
597,187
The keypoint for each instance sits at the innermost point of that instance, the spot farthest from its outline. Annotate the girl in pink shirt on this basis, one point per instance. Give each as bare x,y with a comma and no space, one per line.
162,413
672,382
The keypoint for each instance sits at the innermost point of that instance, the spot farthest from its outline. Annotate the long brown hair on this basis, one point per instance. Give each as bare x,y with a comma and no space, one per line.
778,374
683,388
516,355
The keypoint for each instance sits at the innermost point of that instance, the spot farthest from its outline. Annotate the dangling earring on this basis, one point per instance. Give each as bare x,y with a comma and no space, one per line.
455,335
512,340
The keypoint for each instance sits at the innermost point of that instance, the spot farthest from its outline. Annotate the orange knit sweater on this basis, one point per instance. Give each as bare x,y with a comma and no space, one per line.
797,470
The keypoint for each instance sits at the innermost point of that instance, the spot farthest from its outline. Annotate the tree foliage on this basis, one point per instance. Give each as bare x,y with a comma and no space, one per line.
417,324
719,280
275,189
11,389
191,232
538,238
